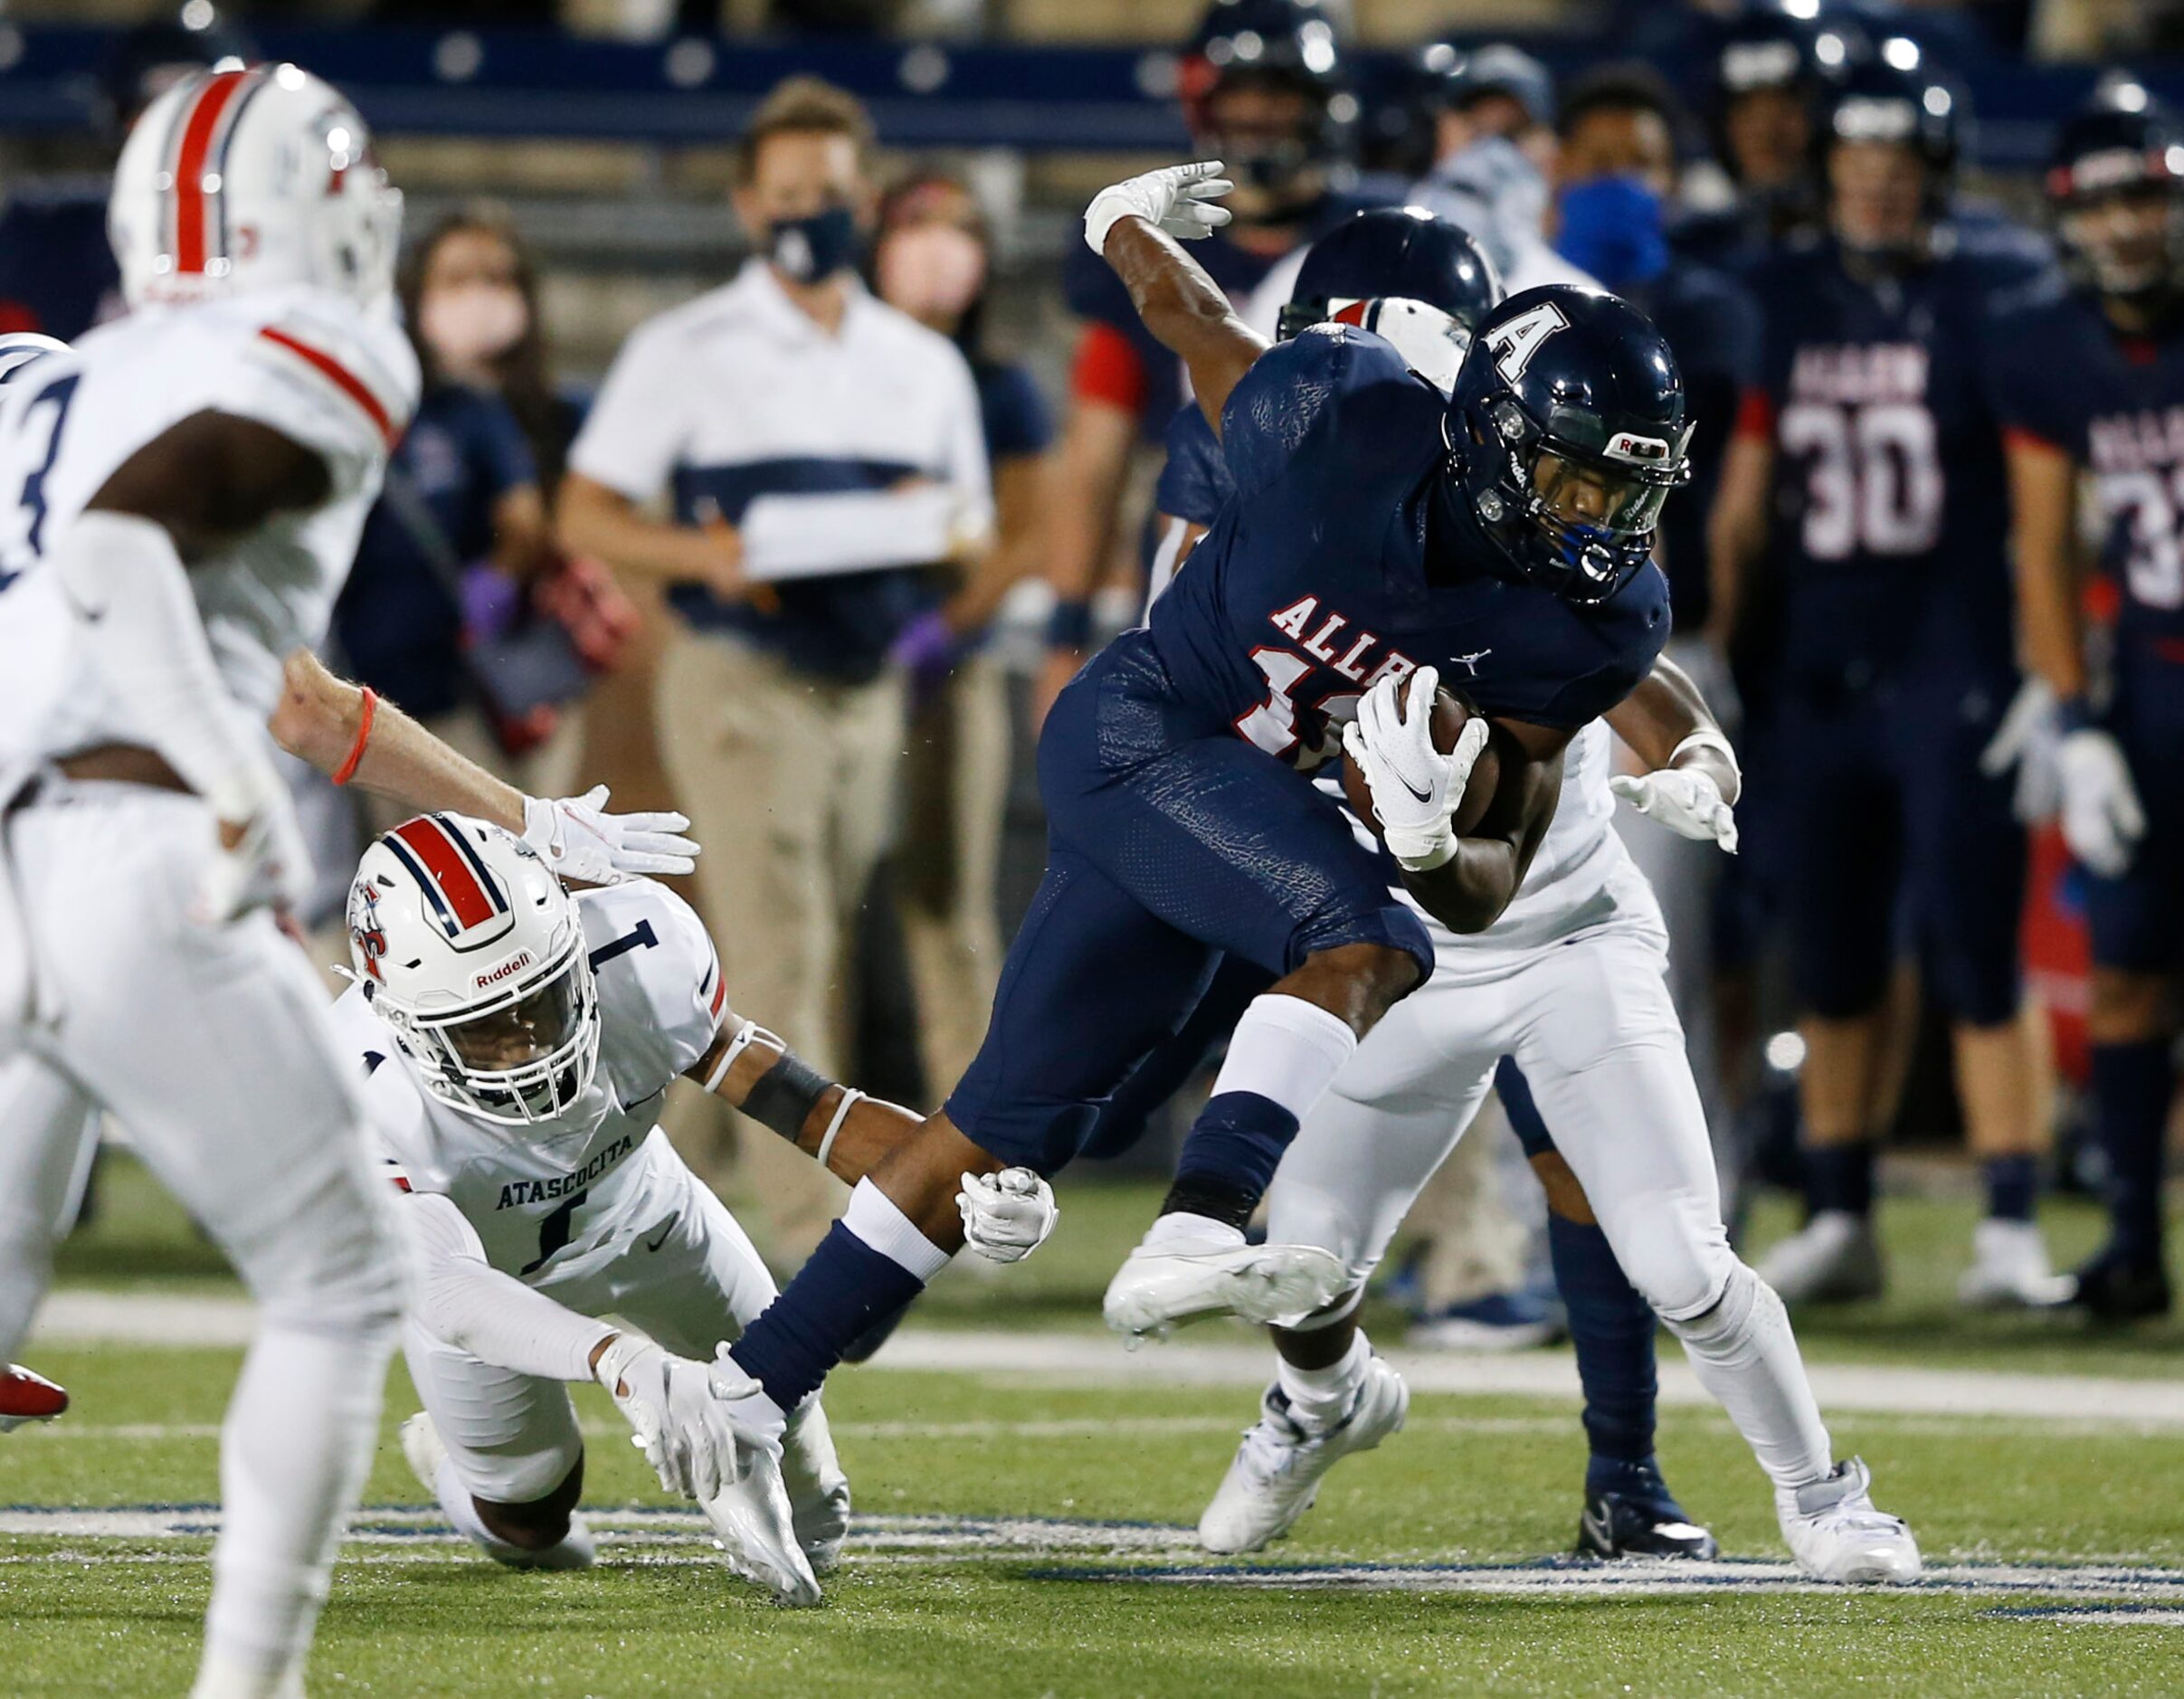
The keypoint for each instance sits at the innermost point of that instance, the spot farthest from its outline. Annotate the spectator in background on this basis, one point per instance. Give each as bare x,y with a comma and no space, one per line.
931,260
822,449
1616,201
460,533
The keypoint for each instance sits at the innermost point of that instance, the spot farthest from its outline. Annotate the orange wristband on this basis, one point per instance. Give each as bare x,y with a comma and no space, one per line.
347,769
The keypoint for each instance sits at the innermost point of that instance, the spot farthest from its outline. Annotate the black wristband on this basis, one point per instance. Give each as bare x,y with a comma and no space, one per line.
785,1095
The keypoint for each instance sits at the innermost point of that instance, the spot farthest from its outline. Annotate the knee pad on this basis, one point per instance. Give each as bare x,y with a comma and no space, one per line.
1725,1317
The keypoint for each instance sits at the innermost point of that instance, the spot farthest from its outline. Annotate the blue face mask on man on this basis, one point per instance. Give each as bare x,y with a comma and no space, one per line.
812,249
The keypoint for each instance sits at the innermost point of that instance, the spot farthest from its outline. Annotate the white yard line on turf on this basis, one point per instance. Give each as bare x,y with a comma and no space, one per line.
1209,1360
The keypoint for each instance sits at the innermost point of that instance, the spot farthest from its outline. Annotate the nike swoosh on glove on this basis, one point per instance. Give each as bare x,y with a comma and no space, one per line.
1178,199
1683,798
2102,819
1007,1215
579,840
681,1423
1415,788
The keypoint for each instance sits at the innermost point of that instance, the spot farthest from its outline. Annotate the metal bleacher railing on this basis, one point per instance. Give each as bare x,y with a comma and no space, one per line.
696,90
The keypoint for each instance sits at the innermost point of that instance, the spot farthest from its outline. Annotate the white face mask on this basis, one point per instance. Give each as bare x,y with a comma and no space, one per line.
472,322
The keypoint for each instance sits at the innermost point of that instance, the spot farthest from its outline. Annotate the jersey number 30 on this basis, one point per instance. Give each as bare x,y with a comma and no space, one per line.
1874,482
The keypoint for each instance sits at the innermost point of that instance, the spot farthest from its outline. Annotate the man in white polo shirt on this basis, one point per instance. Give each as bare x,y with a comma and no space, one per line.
819,449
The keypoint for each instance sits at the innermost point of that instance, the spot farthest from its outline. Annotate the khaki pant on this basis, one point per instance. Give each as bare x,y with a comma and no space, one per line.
957,781
789,781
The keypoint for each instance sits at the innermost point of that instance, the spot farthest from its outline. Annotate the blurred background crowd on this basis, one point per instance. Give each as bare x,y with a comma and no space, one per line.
688,511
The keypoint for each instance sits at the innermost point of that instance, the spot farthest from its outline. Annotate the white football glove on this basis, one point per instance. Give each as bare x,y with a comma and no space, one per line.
1007,1215
579,840
2028,739
1177,198
681,1418
269,868
2103,820
1683,798
1415,788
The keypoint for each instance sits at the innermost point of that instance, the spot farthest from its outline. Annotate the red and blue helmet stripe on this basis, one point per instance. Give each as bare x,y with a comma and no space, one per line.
463,893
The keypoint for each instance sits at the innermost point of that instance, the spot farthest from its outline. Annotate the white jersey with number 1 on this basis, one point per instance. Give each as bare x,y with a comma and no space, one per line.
553,1201
312,366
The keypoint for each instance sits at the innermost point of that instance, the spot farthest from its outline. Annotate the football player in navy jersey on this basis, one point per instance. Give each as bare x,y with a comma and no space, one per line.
1379,533
2089,382
1265,87
1870,439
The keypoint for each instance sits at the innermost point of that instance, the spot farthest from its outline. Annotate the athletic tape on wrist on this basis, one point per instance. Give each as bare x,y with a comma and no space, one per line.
786,1095
849,1097
1707,737
747,1035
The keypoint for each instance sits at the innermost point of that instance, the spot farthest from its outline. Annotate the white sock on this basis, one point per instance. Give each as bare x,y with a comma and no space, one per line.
1744,1355
1285,1050
1180,1227
1319,1398
220,1678
293,1455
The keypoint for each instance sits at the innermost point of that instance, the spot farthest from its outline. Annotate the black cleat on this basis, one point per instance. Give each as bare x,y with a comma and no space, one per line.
2115,1288
1638,1517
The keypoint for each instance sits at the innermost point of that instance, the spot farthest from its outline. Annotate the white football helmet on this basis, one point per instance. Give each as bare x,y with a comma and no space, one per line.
248,179
18,348
1431,341
473,953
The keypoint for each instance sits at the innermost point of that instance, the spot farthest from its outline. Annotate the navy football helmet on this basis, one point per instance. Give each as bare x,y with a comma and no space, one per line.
2116,185
1291,43
1896,96
1769,46
1566,433
1389,251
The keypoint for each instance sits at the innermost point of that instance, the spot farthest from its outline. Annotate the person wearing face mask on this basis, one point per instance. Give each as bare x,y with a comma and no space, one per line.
460,531
1870,439
930,260
820,451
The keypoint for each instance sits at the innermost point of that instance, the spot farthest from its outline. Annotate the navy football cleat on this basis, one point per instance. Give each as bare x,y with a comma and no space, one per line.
2113,1287
1629,1512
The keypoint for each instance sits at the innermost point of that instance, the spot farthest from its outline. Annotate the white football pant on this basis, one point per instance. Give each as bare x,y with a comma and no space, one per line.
1590,1022
211,1045
687,1276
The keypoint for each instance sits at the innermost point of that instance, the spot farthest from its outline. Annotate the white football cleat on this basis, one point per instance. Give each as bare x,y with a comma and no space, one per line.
1834,1259
819,1492
26,1397
1836,1534
758,1534
2010,1270
1280,1465
1183,1273
424,1451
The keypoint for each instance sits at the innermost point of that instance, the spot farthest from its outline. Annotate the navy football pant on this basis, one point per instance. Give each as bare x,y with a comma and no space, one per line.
1170,842
1896,837
2138,920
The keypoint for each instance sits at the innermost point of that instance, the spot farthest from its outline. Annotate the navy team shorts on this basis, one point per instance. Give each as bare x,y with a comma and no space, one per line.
2138,920
1171,842
1896,840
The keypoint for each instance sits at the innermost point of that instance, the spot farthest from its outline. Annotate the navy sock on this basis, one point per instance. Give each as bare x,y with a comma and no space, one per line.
837,1295
1839,1177
1612,1328
2131,1087
1236,1143
2012,1185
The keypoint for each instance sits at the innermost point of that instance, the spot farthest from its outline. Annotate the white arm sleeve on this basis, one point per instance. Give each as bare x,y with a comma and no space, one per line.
140,624
461,1299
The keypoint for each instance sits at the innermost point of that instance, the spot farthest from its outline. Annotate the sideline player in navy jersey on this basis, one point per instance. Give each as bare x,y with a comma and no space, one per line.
1265,87
1870,437
2089,379
1380,533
